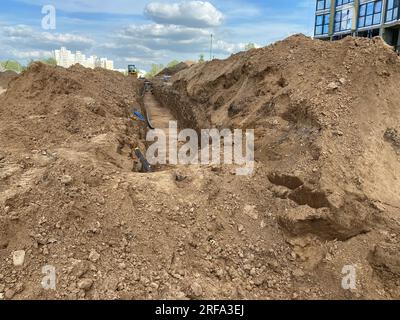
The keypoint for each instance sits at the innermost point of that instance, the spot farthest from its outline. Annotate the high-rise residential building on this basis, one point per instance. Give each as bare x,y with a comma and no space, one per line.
110,64
65,58
91,62
336,19
80,58
103,63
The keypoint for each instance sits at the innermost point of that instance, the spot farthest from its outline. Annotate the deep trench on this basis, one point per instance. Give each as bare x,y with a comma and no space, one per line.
157,117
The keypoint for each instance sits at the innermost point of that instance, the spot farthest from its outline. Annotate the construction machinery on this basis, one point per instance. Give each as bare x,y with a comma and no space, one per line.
132,70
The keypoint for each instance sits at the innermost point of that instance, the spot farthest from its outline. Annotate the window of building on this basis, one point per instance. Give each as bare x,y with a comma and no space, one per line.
323,4
370,14
392,11
342,2
322,24
343,20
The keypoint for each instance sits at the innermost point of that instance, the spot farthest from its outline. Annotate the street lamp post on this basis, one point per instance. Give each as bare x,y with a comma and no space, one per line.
211,47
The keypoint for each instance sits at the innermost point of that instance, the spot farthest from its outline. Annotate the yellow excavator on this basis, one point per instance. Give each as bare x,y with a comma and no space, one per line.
132,70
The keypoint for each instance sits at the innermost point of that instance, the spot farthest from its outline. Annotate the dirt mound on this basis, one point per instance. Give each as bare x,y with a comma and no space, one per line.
175,69
305,98
48,106
65,134
326,120
6,77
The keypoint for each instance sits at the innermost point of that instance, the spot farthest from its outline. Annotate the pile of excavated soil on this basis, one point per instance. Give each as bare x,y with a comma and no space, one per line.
50,107
64,133
326,117
5,78
323,195
170,71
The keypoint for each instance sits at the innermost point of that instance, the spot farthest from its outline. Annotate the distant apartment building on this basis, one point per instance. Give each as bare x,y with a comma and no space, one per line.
335,19
106,64
65,58
80,58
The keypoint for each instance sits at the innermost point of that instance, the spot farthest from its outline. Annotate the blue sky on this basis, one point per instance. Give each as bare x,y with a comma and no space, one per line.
143,32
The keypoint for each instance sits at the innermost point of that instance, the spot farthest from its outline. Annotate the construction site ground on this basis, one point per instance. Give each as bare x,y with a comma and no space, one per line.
324,194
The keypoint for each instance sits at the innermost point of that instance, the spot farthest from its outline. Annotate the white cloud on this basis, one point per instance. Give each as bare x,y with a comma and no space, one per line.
33,54
221,46
151,38
158,31
196,14
154,43
25,37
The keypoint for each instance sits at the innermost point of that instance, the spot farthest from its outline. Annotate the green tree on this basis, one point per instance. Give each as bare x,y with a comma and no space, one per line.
201,58
12,65
172,64
155,69
50,61
249,46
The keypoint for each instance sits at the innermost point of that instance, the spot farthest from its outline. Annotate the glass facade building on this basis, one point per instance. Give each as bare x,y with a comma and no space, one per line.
335,19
